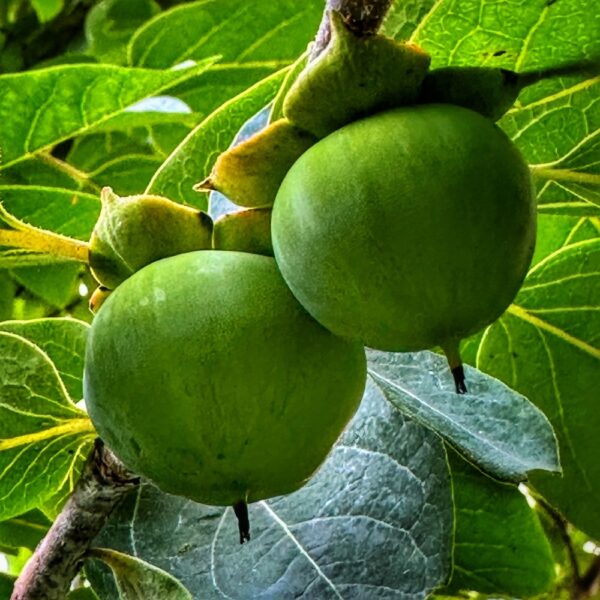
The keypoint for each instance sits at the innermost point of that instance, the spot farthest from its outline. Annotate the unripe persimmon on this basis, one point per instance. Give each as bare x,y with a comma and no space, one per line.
204,374
409,229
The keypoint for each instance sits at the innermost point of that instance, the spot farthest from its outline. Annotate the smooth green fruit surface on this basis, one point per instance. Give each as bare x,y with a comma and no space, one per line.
409,229
204,374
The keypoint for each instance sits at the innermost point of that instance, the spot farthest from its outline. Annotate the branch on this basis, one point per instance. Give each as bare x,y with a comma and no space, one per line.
588,585
363,17
59,556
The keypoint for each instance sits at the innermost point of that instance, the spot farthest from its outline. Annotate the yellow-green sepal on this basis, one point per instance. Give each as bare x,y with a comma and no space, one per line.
354,77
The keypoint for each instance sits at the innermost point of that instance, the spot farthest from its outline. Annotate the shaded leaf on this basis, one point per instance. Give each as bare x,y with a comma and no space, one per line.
241,31
492,425
499,545
547,347
24,531
375,521
41,108
55,284
6,586
110,24
137,580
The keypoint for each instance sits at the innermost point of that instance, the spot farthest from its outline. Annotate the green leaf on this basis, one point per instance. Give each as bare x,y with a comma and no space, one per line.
206,94
547,347
47,9
111,23
517,35
499,544
6,586
491,425
249,32
83,593
404,17
14,258
43,170
42,108
556,231
194,157
24,531
63,340
42,433
137,579
564,159
556,123
374,522
57,209
55,284
7,295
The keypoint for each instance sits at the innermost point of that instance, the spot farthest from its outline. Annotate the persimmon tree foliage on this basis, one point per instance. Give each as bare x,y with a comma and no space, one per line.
137,131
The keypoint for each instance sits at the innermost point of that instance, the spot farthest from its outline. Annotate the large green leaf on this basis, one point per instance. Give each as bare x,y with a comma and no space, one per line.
136,579
110,24
499,545
512,34
41,108
24,531
47,9
565,160
194,157
547,346
374,522
492,425
43,435
58,209
63,340
6,586
250,32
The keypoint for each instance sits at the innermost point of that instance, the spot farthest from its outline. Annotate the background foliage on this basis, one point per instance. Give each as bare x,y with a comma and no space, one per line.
144,95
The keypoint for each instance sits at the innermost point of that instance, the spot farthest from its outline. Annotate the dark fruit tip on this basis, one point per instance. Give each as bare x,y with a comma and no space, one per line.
459,379
241,512
452,352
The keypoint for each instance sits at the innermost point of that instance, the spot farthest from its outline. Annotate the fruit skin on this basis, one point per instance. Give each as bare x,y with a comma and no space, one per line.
134,231
204,374
245,230
409,229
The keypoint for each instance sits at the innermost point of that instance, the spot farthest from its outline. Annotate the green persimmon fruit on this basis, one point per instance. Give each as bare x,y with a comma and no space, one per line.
245,230
409,229
205,375
134,231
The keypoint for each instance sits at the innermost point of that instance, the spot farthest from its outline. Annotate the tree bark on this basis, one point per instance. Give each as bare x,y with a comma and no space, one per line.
59,556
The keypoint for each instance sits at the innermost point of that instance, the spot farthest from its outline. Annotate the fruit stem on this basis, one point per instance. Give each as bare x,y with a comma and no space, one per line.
452,352
362,17
104,482
241,512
